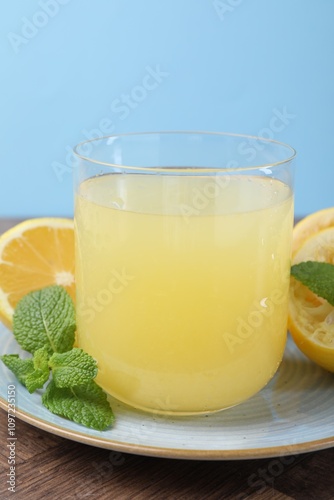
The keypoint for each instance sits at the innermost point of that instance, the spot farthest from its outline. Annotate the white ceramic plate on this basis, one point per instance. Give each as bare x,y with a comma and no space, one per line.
293,414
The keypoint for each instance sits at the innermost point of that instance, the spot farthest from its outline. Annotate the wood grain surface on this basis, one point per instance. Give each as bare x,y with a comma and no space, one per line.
53,467
49,466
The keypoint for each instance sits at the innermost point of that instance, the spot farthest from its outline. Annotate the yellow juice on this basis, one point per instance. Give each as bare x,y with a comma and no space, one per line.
182,286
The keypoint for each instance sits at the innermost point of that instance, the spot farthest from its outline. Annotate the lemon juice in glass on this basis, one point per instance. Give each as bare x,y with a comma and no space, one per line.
183,244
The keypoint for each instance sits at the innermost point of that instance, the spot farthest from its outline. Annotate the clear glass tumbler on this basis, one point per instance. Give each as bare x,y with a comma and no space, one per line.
183,244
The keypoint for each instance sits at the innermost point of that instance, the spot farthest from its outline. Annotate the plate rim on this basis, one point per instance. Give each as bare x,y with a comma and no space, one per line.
172,453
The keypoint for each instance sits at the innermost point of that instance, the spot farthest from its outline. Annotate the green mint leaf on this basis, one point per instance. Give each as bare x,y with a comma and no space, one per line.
45,318
40,375
72,368
32,372
20,367
84,404
44,324
317,276
41,359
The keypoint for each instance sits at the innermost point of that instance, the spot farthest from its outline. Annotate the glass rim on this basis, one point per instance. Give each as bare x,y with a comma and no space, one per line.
293,152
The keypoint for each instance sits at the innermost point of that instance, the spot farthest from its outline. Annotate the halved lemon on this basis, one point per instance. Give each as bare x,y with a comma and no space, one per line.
35,254
311,318
311,225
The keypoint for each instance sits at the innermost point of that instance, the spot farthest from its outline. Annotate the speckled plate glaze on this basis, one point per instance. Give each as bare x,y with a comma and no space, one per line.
292,414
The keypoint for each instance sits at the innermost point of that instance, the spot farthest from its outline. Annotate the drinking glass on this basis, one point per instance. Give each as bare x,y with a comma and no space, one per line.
183,243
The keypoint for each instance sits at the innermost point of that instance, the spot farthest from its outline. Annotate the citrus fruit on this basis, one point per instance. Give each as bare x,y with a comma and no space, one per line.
35,254
311,318
311,225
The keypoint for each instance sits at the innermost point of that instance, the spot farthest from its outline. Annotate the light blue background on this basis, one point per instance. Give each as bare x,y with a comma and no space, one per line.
221,69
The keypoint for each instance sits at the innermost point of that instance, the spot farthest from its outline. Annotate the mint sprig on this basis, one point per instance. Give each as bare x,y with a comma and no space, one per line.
317,276
72,368
84,404
44,325
32,372
45,318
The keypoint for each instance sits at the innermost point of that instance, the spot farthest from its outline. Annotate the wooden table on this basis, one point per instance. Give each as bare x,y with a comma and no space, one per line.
54,467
